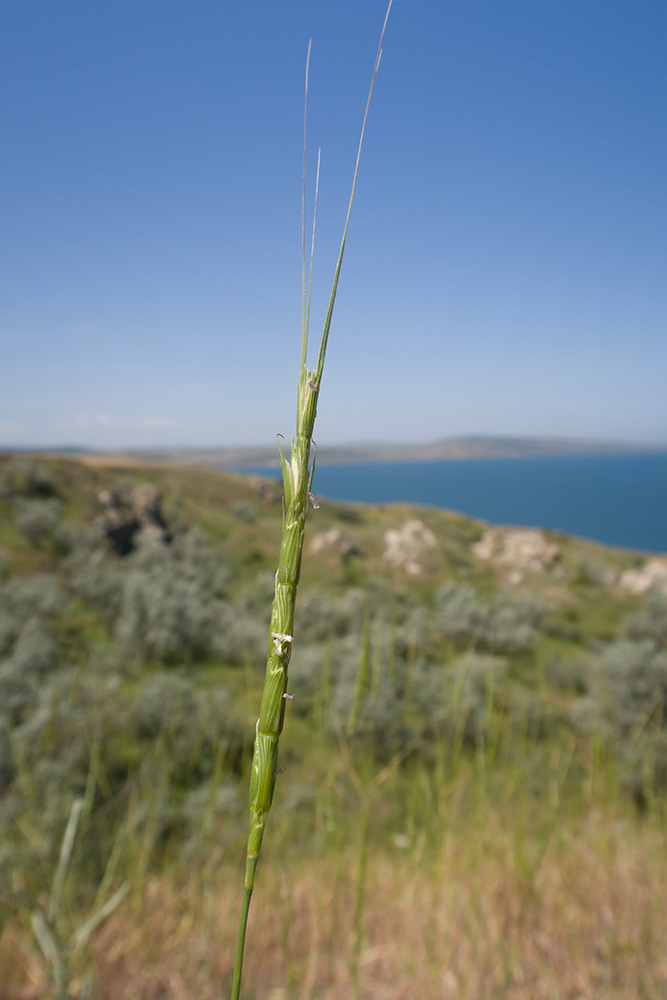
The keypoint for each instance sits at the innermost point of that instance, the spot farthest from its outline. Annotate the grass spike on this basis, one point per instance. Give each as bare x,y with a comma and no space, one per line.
297,479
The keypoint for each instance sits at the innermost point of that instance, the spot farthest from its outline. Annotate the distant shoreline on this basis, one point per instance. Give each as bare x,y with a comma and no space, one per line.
448,449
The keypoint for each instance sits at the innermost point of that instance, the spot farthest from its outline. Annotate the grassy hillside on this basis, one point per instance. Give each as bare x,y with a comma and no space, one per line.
475,756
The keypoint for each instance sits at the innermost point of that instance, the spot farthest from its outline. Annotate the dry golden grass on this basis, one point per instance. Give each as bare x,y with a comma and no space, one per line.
484,917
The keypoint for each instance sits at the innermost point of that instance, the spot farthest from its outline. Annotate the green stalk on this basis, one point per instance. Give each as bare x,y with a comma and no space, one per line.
297,483
376,674
322,698
361,682
359,895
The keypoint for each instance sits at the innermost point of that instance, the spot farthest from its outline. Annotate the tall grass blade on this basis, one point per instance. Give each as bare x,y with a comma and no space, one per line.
52,952
361,682
66,848
83,933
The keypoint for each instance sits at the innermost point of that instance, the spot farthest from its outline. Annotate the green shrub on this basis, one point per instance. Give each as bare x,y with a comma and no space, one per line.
169,604
21,600
93,575
634,677
572,674
502,625
244,511
473,686
319,617
643,767
237,636
650,622
37,520
189,721
27,649
24,477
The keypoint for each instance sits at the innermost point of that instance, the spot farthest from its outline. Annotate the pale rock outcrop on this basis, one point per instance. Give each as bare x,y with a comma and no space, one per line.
652,575
520,549
334,540
128,509
405,547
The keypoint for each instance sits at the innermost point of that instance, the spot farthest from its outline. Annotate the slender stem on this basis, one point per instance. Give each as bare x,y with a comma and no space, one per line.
359,894
240,943
362,673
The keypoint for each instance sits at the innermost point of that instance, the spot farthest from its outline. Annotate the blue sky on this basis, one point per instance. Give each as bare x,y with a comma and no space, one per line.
506,260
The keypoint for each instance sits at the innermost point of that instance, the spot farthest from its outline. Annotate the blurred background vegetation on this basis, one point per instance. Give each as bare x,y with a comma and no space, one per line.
475,757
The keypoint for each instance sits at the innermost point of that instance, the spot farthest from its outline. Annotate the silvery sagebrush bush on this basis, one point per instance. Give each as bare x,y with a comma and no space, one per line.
38,520
26,641
651,621
572,673
504,624
634,679
320,617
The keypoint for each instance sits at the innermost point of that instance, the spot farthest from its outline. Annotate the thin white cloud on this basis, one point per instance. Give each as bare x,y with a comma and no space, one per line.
88,421
159,423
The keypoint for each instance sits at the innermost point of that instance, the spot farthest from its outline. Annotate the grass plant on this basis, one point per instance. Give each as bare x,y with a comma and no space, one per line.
542,883
297,474
514,850
59,943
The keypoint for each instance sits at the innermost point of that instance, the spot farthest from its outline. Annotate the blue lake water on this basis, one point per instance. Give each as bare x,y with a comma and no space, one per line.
616,499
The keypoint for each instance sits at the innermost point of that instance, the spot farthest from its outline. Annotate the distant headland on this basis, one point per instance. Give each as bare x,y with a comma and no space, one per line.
455,448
